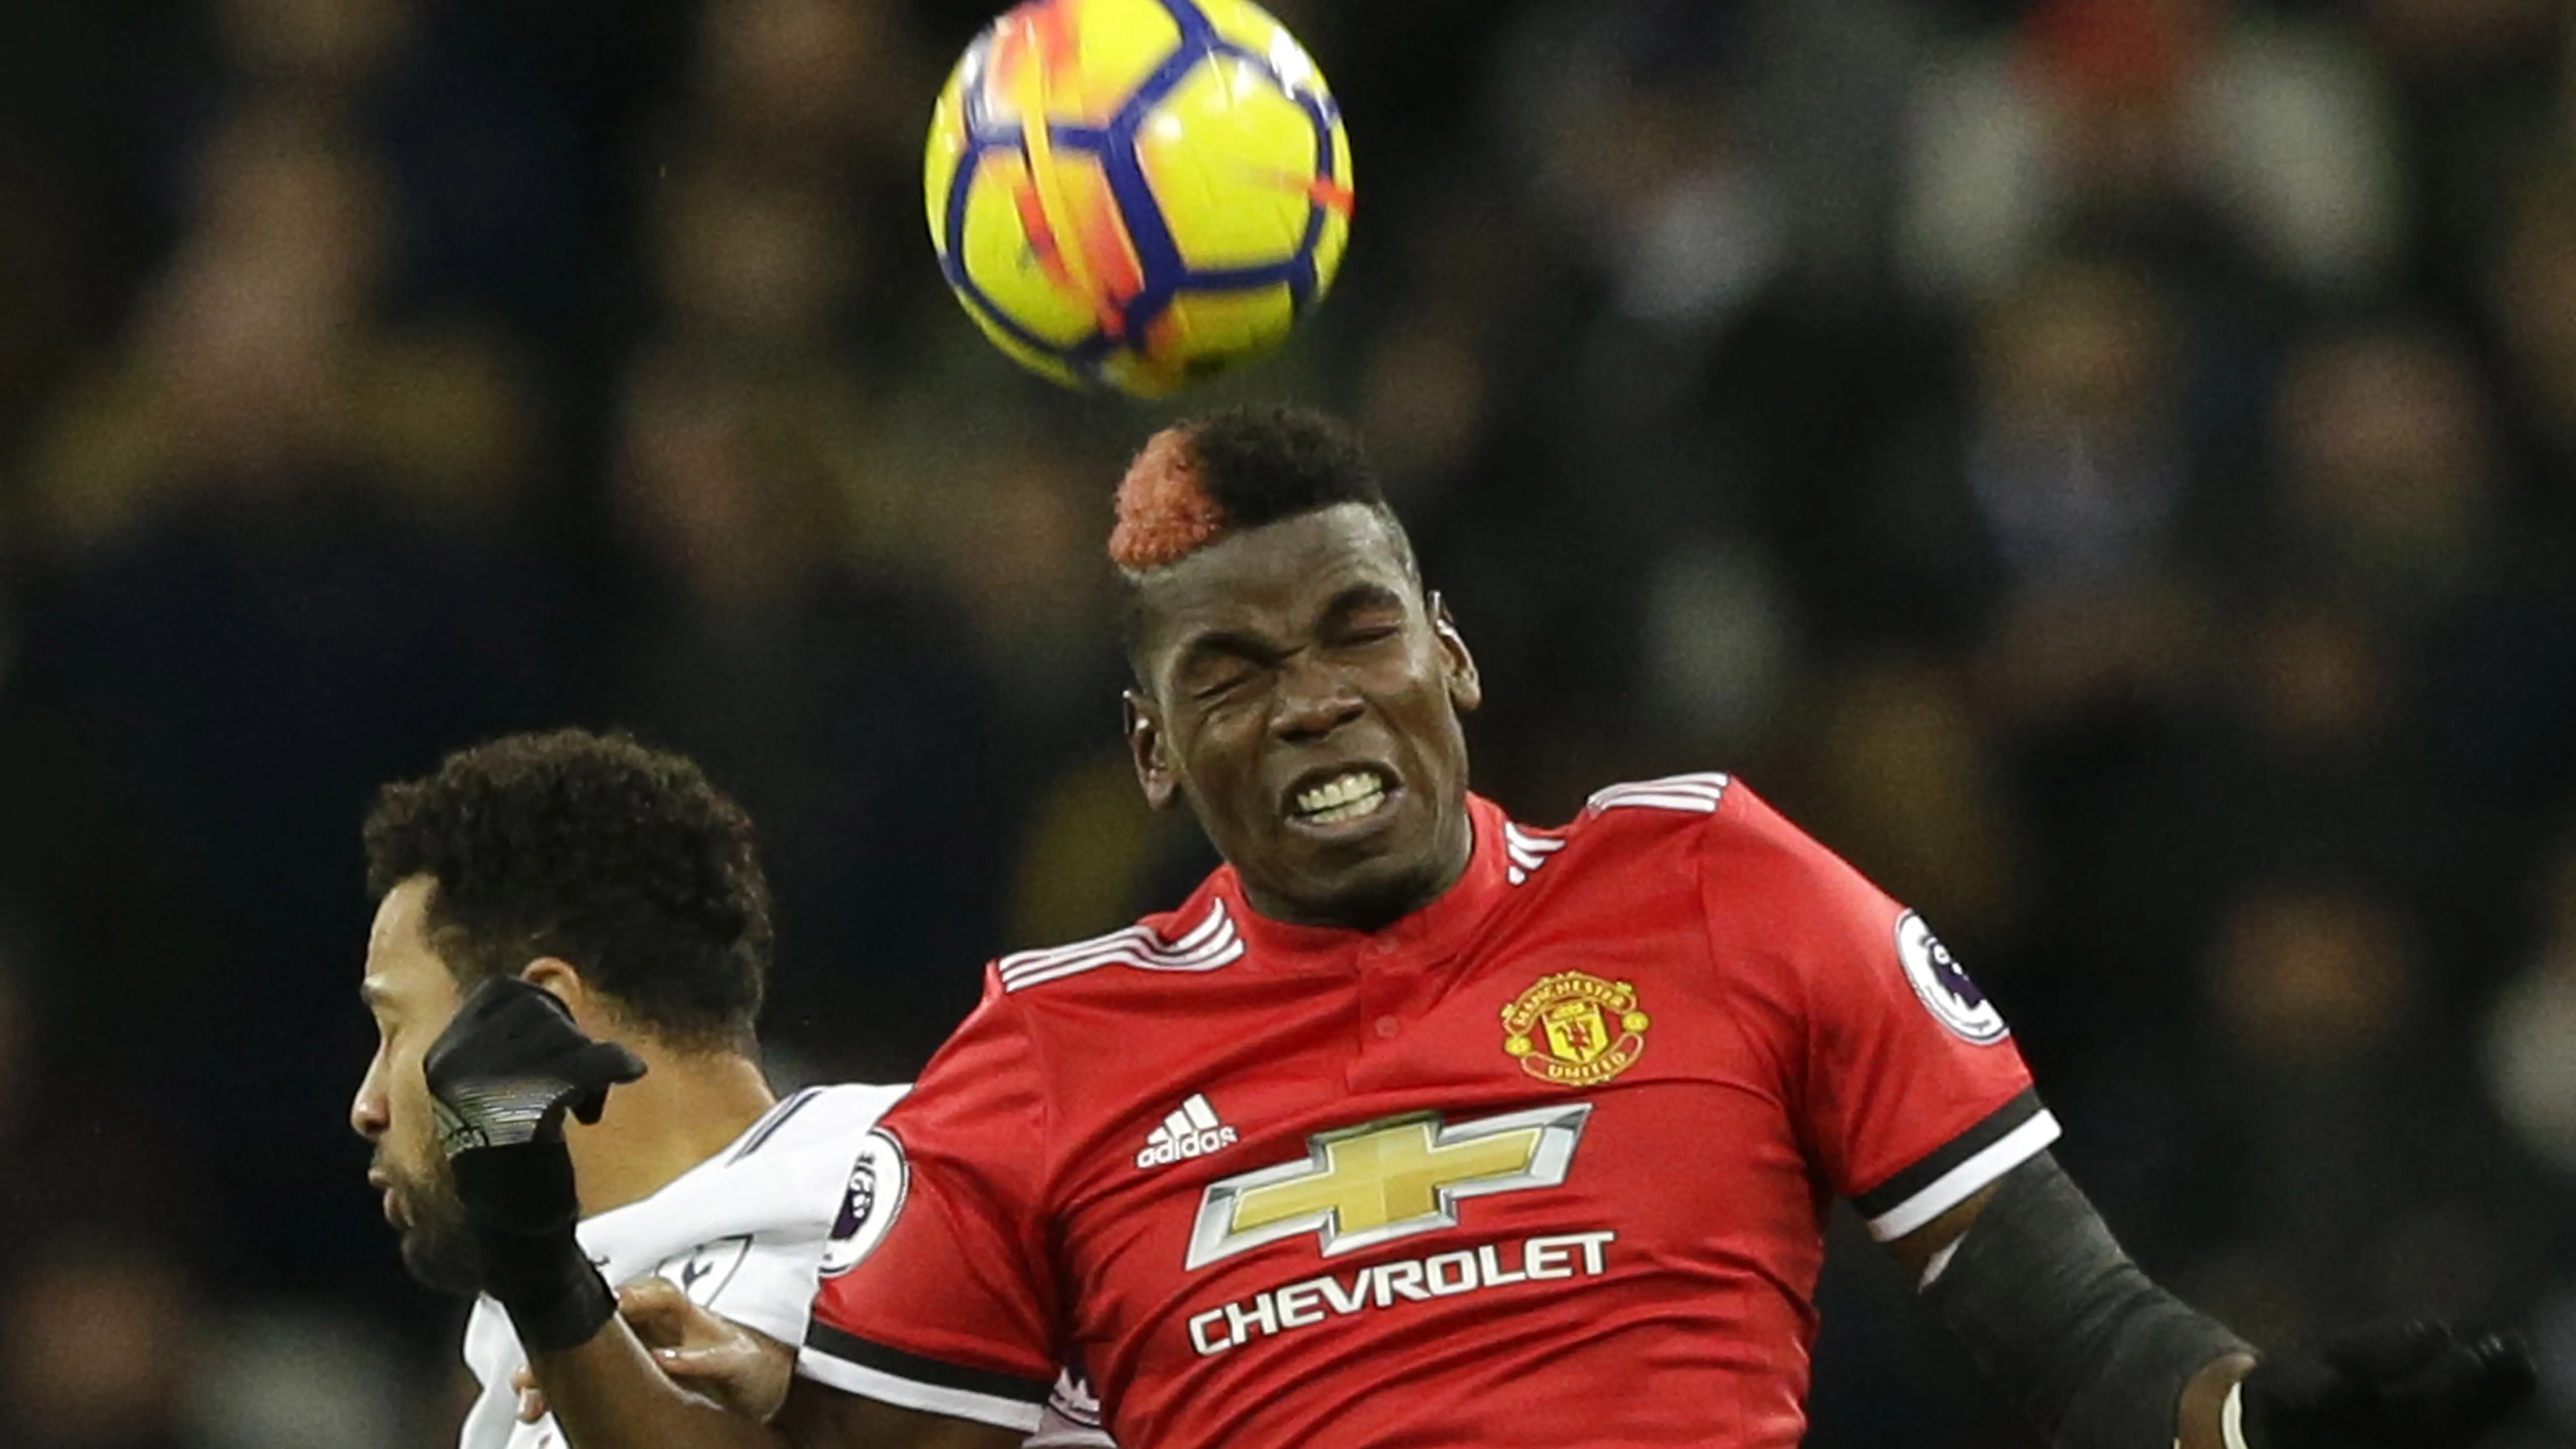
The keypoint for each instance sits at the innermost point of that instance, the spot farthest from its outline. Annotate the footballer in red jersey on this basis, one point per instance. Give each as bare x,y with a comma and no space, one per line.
1544,1162
1418,1126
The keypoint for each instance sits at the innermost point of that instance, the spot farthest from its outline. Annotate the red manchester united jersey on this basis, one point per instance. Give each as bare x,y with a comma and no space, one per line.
1545,1163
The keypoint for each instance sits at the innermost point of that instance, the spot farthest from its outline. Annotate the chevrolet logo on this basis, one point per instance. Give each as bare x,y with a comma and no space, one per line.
1361,1186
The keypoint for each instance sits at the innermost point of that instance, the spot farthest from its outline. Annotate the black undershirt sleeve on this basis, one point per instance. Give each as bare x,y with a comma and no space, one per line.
2064,1325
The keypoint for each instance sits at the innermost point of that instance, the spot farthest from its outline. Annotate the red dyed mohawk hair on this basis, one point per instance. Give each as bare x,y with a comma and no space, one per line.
1199,480
1165,512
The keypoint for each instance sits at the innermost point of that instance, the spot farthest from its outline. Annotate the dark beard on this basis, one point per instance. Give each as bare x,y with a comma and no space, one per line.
438,1247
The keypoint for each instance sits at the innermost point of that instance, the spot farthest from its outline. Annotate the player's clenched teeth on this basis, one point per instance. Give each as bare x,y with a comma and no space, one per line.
1347,796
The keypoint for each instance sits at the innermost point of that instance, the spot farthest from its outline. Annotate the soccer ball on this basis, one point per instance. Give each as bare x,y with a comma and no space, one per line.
1137,193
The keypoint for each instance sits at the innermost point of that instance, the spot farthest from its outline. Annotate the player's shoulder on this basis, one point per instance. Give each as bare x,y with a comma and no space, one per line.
1198,938
1714,820
828,1117
1671,810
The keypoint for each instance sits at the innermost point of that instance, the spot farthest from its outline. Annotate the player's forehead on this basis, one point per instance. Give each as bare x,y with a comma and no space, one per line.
1280,576
400,959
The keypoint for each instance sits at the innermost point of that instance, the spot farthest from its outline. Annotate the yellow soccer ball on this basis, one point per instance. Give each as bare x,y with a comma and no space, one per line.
1137,194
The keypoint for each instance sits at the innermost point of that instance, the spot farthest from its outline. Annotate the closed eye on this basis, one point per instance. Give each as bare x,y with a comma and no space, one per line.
381,1007
1219,688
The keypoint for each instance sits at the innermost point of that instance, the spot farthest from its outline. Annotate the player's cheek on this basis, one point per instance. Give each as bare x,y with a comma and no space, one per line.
1398,680
409,1095
1229,758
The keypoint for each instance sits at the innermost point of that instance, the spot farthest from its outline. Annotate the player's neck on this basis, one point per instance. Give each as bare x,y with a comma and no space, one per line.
684,1111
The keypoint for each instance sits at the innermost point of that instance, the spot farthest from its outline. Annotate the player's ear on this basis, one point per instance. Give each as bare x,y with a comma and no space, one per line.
559,979
1466,690
1151,750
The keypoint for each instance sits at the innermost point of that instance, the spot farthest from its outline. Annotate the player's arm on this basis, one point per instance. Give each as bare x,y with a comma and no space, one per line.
2099,1357
620,1391
608,1394
940,1285
503,1076
1921,1111
749,1373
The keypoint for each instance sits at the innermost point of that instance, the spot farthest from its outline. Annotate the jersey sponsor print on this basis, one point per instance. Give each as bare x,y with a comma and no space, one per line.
1544,1163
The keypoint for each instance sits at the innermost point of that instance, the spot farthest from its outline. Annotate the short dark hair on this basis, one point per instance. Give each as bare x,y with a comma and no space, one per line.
621,860
1266,462
1199,480
1203,479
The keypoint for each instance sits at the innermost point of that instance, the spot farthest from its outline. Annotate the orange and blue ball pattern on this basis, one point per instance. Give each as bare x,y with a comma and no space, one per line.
1137,194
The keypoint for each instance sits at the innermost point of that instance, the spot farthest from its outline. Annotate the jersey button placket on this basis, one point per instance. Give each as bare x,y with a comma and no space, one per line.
1380,989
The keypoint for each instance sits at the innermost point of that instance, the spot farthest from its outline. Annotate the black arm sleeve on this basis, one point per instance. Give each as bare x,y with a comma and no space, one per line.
2060,1320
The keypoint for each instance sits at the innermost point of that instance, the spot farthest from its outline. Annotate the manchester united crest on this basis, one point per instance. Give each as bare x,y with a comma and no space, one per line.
1574,1029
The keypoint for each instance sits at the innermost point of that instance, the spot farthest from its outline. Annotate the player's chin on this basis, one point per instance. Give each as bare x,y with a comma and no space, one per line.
1376,877
439,1254
1331,864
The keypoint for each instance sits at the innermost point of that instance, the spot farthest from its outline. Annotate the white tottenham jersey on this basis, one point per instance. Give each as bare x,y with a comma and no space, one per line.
742,1234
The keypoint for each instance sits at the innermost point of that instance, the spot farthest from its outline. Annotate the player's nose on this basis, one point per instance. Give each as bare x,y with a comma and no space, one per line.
369,1114
1313,701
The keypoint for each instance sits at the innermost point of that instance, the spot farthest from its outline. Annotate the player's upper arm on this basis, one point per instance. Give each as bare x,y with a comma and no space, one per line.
1923,1252
1903,1079
939,1290
790,1175
816,1417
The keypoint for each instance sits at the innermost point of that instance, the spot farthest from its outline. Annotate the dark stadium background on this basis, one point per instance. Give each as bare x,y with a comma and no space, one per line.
2109,468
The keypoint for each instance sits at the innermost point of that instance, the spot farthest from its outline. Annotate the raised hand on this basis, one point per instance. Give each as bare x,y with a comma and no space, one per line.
512,1063
2402,1385
502,1076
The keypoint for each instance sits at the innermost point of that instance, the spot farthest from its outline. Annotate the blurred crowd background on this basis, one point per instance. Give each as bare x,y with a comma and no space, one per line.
2106,466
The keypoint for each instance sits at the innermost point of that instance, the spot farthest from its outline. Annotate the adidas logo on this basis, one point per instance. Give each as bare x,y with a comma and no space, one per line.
1193,1131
